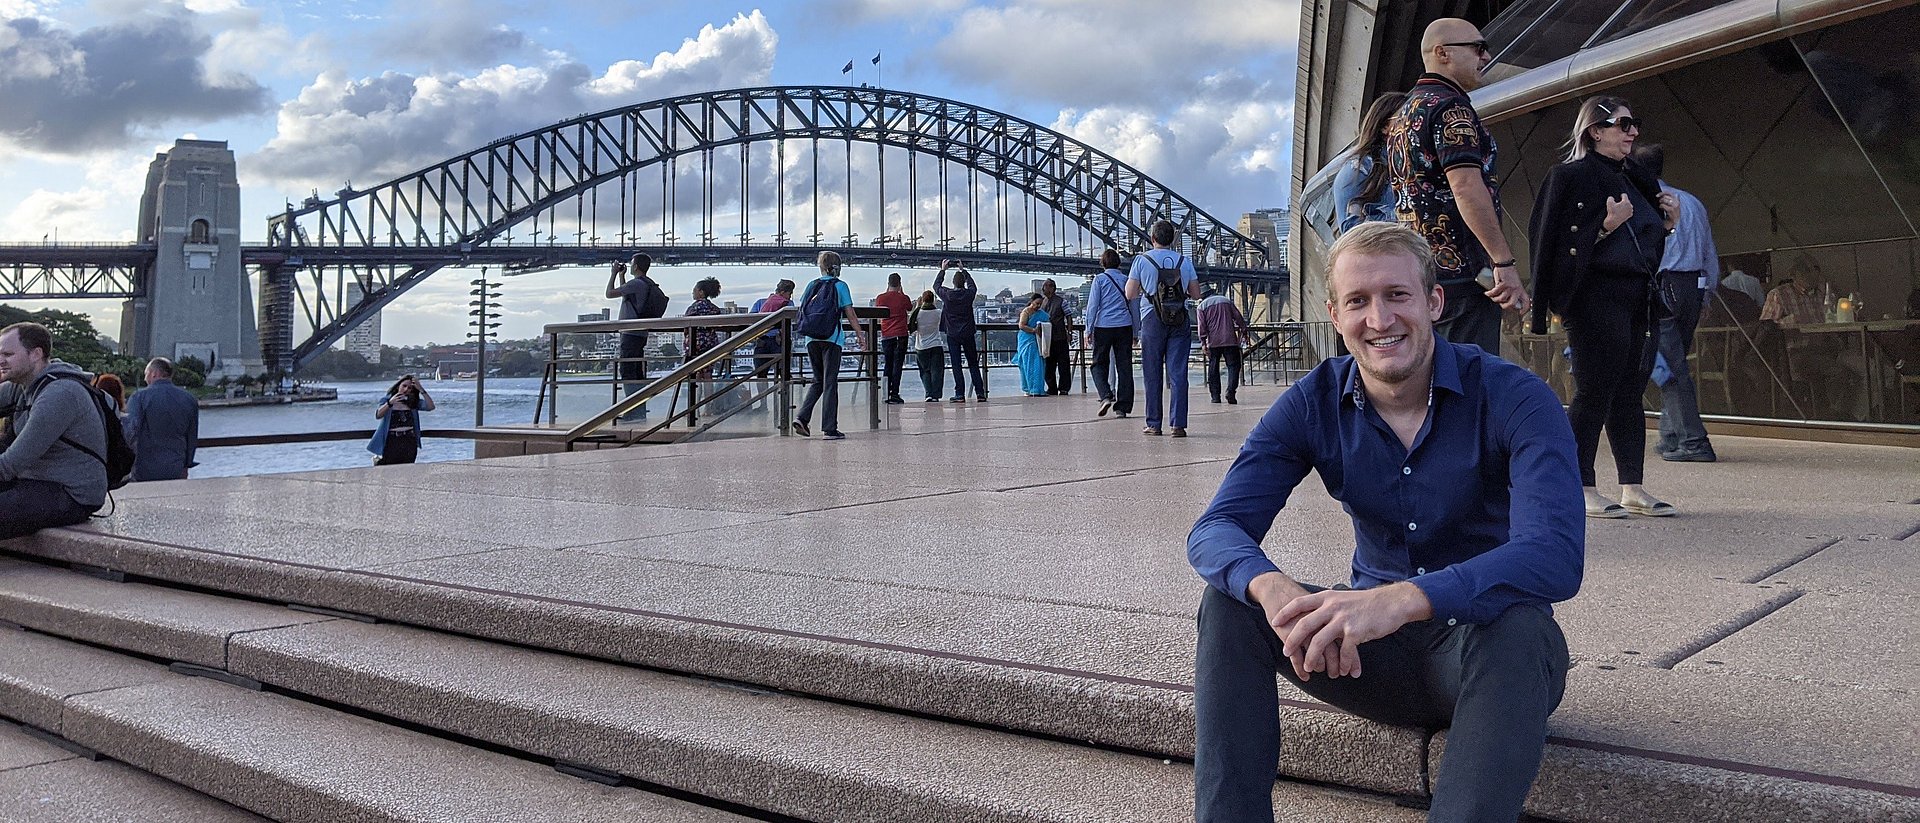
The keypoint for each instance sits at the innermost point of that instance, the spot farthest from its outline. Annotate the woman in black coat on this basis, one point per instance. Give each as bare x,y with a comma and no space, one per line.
1599,227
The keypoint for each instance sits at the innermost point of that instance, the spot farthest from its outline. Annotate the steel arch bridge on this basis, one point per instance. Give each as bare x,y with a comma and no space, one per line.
732,177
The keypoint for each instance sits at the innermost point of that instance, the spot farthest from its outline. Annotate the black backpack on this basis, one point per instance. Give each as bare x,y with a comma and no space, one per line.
820,310
652,305
1169,299
119,456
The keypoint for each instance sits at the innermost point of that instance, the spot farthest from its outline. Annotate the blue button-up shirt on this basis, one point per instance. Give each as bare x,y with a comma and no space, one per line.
1691,246
1485,511
1107,304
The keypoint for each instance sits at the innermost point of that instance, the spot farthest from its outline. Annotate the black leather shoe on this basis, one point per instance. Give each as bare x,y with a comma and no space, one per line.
1704,456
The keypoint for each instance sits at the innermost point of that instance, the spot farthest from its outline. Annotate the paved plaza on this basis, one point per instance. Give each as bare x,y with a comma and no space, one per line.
1020,565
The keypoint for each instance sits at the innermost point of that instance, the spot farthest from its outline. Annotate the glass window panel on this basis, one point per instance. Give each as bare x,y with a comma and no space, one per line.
1536,32
1641,15
1867,69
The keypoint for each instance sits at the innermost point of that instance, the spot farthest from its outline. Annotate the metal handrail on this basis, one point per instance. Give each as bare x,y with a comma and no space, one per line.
694,365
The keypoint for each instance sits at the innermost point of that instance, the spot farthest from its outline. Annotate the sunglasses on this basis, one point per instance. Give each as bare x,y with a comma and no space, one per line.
1628,122
1477,45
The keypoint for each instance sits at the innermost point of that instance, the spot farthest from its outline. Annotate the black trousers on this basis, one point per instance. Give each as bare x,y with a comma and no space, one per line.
1493,684
1470,317
894,352
1113,351
1607,330
1231,356
27,506
633,369
1059,363
966,346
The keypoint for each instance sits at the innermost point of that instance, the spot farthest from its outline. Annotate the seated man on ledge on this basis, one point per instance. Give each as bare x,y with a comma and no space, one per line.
1458,470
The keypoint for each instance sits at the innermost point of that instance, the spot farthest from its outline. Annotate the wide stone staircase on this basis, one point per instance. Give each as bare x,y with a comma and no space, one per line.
206,697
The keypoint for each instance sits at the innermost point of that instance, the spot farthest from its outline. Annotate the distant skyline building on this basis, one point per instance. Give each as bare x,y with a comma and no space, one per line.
364,339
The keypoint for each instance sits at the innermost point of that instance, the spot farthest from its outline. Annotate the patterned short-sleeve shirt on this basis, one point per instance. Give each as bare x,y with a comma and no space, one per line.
1436,130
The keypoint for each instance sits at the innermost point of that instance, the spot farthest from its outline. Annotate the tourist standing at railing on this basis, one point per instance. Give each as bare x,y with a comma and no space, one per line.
963,335
1113,321
1457,470
1222,331
1030,353
1599,230
768,346
701,340
1442,160
397,439
1689,271
1167,279
640,299
929,344
893,334
825,301
115,390
162,426
1059,345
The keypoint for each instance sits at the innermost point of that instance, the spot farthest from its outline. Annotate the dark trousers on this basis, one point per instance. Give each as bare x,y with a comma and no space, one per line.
27,506
1681,429
894,352
1059,363
1113,350
932,370
633,369
1231,355
1606,328
824,357
1469,317
968,346
399,451
1493,684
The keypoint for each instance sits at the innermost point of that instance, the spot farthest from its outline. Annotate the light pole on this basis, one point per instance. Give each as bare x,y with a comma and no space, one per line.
484,318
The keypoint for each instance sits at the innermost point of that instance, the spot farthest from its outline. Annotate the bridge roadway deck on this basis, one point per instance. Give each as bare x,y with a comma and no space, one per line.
1021,560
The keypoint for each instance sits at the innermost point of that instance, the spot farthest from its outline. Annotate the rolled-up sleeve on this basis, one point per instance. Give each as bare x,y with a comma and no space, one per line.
1224,545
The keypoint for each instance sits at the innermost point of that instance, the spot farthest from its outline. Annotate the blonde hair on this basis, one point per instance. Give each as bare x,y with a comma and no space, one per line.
1592,110
1382,239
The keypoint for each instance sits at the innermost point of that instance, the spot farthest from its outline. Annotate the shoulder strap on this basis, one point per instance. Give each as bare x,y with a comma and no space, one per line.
98,406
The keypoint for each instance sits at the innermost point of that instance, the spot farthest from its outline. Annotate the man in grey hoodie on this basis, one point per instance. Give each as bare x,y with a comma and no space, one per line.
47,475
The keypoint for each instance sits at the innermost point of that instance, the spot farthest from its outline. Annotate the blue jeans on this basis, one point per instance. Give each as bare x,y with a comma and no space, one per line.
824,357
1163,367
1680,427
1493,684
27,506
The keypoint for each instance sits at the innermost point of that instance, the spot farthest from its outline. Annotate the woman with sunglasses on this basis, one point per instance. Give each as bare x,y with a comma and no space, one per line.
1599,227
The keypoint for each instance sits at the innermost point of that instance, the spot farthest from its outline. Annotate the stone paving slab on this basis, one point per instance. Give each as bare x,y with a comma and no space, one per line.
81,791
160,622
1655,622
297,762
785,754
39,673
19,749
1845,640
1884,567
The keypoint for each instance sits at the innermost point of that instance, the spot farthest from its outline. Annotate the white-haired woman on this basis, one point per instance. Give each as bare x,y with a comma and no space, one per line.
1599,227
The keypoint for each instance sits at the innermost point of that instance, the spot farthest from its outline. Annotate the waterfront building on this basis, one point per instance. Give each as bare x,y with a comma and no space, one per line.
1793,123
364,339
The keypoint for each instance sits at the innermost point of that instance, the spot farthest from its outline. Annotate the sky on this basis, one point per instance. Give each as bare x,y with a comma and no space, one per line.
310,95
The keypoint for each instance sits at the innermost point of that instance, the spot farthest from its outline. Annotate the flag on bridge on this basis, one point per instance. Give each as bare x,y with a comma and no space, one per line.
876,58
847,69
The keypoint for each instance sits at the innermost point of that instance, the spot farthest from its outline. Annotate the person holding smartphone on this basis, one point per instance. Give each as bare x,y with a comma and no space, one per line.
397,440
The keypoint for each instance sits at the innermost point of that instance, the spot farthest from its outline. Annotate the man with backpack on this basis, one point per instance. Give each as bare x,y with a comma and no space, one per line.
1167,279
827,299
640,299
53,471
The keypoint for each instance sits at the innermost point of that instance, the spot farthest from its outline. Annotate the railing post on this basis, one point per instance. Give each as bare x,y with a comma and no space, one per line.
784,373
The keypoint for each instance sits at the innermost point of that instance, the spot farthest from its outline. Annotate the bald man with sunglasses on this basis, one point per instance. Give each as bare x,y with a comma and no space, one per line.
1441,161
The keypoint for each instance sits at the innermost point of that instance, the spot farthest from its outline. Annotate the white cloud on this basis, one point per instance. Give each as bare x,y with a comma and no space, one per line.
372,128
866,11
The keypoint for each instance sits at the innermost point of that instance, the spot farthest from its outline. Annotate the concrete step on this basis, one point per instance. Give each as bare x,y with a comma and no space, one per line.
1609,754
788,755
287,759
44,783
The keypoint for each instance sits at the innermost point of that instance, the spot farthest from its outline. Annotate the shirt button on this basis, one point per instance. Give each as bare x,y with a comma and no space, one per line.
1413,527
1406,470
1451,621
1573,252
1419,571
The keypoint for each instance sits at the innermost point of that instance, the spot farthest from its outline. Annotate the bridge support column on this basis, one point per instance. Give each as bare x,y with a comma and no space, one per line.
198,301
276,322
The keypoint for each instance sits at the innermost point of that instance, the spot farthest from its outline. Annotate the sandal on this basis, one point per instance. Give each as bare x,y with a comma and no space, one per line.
1660,509
1611,511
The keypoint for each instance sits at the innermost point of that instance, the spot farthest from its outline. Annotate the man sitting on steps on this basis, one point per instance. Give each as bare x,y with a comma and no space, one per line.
1458,470
47,476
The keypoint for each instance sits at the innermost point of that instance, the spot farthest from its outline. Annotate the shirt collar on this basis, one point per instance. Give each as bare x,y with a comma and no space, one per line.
1442,80
1446,374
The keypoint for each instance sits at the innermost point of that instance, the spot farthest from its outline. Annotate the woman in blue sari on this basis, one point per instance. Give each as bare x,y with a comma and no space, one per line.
1031,355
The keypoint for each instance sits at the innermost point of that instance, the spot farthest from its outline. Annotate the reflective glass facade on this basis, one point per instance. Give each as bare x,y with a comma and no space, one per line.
1806,153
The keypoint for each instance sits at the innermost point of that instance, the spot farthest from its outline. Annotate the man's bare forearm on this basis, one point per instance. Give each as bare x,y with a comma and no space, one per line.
1476,208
